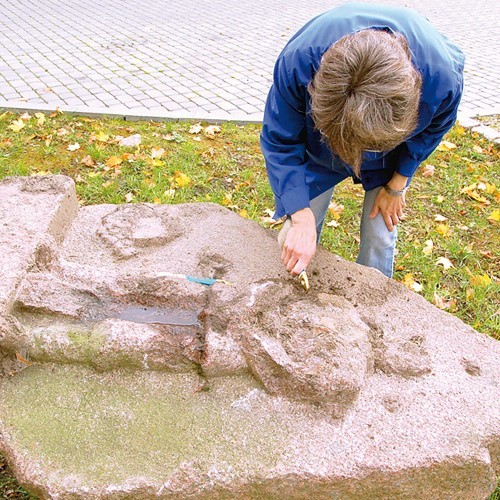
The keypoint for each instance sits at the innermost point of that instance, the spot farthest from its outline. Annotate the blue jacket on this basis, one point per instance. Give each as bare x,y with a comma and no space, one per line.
299,163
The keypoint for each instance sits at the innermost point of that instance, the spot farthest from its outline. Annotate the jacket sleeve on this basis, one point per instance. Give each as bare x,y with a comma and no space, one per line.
283,141
415,150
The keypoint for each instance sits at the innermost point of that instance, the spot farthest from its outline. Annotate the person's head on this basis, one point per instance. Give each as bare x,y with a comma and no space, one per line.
365,95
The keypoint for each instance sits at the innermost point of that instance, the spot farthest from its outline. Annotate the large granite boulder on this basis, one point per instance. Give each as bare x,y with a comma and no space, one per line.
122,378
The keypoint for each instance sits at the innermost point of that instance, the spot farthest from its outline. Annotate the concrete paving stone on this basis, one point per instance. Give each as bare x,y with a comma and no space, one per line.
196,45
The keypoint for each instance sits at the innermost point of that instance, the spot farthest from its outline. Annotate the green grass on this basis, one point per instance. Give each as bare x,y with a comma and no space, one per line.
227,168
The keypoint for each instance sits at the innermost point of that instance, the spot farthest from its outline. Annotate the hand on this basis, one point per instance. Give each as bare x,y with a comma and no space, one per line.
300,242
391,207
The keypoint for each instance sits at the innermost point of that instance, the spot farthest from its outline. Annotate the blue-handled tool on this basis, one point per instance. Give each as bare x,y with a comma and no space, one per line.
193,279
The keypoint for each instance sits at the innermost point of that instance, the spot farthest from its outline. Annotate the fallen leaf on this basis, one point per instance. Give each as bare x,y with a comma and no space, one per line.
195,129
87,161
40,119
479,280
443,230
440,218
73,147
197,138
181,180
476,196
494,216
157,201
5,143
129,197
335,210
157,153
409,282
441,303
168,137
446,263
62,132
113,161
16,125
25,116
102,136
332,223
428,247
169,193
469,294
477,149
211,130
243,213
439,199
131,140
446,146
489,188
428,170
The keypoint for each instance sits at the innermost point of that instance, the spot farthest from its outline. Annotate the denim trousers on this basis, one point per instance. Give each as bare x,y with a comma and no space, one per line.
377,243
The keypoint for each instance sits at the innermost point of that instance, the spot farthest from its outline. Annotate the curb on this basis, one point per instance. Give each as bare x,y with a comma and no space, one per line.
146,114
466,119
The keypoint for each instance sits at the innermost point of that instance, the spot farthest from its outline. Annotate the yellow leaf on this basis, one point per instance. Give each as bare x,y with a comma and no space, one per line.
181,180
113,161
243,213
476,196
157,153
409,281
443,230
227,199
102,136
439,199
494,216
16,125
478,280
335,210
446,146
428,247
40,118
73,147
157,201
195,129
490,188
446,263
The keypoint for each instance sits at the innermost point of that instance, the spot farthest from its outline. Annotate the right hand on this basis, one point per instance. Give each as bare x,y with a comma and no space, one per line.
300,242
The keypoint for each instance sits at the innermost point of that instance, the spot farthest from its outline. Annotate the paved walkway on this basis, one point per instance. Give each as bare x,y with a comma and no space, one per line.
207,59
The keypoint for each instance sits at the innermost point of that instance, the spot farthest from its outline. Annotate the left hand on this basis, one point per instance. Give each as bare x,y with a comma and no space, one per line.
391,207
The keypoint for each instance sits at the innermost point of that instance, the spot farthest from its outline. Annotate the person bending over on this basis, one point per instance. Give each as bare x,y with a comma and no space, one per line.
363,91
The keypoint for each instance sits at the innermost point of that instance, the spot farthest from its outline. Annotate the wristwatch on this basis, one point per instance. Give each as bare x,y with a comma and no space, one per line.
395,192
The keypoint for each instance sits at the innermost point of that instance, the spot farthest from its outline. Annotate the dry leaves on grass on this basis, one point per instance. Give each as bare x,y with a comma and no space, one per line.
410,282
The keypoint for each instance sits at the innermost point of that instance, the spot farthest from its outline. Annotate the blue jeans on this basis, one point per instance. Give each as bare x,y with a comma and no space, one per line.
377,243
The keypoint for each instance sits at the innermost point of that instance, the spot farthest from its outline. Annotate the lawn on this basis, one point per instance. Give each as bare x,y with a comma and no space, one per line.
448,250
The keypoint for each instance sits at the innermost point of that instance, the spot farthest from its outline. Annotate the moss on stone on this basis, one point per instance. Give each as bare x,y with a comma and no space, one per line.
107,428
